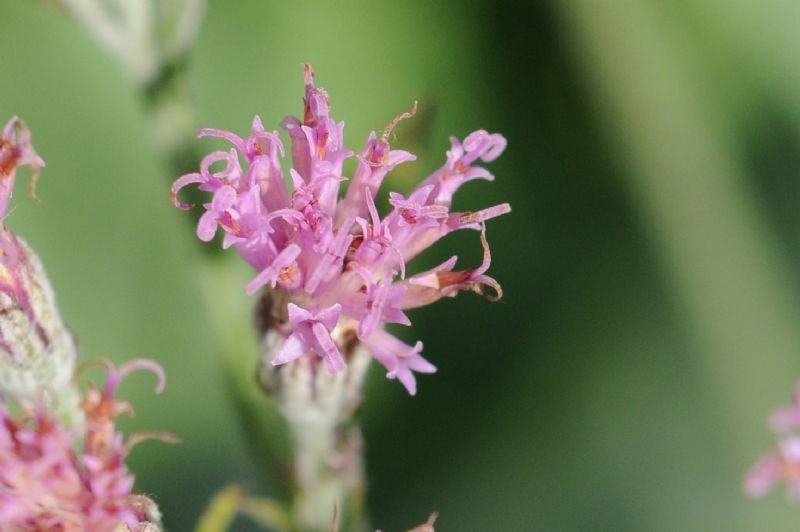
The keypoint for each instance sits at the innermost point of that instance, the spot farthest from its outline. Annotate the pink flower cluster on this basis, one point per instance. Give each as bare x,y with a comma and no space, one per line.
46,484
782,465
337,257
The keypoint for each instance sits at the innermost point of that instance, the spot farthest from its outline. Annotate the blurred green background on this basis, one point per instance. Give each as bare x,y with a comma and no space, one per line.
651,263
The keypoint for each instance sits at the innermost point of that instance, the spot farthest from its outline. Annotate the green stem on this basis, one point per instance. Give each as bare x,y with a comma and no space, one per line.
169,102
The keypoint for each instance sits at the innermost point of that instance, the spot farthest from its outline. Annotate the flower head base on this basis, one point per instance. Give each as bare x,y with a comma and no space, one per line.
49,485
36,348
782,465
338,259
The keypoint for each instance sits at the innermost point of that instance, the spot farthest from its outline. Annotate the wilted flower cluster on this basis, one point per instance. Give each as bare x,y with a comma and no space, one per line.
782,465
46,484
62,462
337,258
35,345
54,477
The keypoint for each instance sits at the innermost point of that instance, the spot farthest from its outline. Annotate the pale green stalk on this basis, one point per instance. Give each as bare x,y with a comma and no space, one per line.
320,409
151,40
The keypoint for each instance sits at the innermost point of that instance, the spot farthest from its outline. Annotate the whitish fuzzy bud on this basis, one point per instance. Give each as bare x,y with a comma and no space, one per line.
37,351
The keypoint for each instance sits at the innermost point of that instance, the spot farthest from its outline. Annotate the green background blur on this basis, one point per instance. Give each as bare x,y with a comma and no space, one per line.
651,263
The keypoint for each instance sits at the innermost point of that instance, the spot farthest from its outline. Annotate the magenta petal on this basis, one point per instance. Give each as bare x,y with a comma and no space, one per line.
328,350
409,381
397,157
482,144
236,140
398,358
207,226
420,365
291,349
329,316
297,315
271,272
224,199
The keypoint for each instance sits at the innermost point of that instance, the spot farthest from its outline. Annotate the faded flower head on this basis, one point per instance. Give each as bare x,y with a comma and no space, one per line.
62,461
73,478
782,465
16,150
342,264
36,348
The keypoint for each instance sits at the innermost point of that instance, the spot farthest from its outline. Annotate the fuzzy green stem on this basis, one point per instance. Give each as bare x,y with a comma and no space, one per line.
320,408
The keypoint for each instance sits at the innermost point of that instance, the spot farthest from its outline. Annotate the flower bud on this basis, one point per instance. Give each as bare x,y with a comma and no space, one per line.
36,348
37,351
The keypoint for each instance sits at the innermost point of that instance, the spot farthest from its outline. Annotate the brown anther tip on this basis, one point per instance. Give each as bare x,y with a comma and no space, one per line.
173,197
93,362
390,127
469,217
32,181
139,437
498,292
308,74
